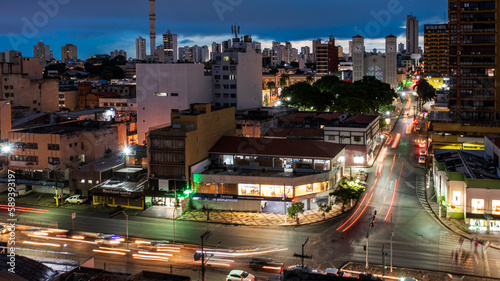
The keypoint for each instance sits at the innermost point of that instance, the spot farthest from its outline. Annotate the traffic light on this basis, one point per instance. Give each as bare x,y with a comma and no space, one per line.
372,223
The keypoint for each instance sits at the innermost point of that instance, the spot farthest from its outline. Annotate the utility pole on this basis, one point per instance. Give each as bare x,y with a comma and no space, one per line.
383,262
392,234
175,210
371,223
284,199
302,256
203,237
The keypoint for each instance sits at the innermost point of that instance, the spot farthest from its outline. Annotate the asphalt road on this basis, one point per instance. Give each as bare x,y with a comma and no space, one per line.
395,180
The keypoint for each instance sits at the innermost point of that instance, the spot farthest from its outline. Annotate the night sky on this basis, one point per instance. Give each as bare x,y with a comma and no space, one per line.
98,27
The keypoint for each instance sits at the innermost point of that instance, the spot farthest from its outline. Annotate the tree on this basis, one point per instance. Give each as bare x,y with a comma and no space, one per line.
271,85
60,67
294,210
348,190
324,208
375,92
283,82
425,92
310,79
305,97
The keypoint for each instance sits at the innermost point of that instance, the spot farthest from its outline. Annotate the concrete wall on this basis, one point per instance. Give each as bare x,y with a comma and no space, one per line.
187,80
249,80
5,119
239,205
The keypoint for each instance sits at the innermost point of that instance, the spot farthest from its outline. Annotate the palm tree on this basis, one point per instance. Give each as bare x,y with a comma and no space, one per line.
271,85
310,79
284,80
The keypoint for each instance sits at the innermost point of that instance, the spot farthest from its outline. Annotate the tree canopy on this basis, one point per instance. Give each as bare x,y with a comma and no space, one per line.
331,93
105,66
425,91
348,190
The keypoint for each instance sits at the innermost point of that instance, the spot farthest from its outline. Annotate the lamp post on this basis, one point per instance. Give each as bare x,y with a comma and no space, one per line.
127,150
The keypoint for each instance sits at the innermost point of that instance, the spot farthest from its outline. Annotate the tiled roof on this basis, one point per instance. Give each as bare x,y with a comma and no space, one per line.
297,116
299,132
361,119
278,132
302,148
329,115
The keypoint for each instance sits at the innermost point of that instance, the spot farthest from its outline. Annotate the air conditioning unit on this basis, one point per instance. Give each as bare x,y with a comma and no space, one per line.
459,52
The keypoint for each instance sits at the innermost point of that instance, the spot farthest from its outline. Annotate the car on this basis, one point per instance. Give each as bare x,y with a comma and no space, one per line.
335,271
421,160
109,239
61,197
268,265
4,228
423,152
239,275
77,198
299,267
368,276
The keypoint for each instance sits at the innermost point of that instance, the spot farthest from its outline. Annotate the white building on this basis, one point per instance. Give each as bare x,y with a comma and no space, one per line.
170,47
197,54
237,75
140,48
163,87
121,105
116,53
384,68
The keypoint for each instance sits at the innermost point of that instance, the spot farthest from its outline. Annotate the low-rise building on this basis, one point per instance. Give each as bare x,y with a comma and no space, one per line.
252,174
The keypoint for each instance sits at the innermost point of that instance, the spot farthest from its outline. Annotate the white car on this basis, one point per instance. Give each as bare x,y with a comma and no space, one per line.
109,239
421,160
4,228
76,199
239,275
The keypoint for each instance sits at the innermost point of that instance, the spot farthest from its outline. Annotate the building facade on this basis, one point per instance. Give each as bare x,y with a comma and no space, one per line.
170,47
264,174
473,60
411,35
163,87
69,52
42,51
237,75
436,50
140,48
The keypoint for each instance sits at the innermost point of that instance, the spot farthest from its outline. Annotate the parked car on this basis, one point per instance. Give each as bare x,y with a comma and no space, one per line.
368,276
335,271
299,267
76,199
421,160
267,265
239,275
61,197
109,239
4,228
22,190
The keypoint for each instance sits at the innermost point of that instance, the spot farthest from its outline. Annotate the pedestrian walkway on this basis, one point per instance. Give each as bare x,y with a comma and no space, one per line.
456,225
260,219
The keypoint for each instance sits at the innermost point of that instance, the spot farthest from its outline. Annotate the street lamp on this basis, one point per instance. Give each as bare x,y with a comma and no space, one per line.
127,150
6,148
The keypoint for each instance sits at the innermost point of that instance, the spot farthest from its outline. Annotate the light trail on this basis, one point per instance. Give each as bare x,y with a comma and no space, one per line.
240,254
19,208
155,254
109,252
62,239
359,213
392,167
394,192
42,244
149,258
114,249
359,206
396,140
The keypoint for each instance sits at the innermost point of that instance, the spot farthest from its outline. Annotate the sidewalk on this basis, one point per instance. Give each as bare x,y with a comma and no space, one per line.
458,225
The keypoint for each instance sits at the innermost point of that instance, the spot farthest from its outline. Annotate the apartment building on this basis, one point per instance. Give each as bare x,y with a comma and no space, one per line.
436,49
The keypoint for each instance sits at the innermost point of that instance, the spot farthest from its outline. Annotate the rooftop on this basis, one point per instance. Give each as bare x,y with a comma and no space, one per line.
471,163
67,127
104,164
277,147
259,172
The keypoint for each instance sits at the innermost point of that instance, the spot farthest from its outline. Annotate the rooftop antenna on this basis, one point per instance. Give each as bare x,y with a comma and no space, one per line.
235,30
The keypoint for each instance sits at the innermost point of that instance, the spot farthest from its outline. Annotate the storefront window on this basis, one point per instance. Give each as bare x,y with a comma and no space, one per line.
163,201
276,190
477,206
456,198
310,188
303,163
495,206
248,189
228,159
322,165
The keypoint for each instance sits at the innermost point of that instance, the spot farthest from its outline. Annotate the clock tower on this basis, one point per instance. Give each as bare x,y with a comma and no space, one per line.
358,55
391,63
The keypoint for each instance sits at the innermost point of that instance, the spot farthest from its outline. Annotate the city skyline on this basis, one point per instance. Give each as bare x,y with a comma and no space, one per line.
99,31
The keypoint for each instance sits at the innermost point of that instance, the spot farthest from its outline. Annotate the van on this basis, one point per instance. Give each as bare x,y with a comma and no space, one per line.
22,190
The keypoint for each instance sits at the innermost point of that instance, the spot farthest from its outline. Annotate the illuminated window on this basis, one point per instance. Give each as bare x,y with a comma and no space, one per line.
90,181
248,189
477,206
359,159
456,198
495,206
226,58
161,94
82,181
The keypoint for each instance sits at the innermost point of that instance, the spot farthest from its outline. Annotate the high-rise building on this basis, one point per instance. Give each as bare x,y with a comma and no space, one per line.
305,52
341,51
237,75
197,54
43,52
116,53
436,49
5,121
170,47
350,48
411,35
327,56
140,48
69,52
401,47
216,49
473,60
